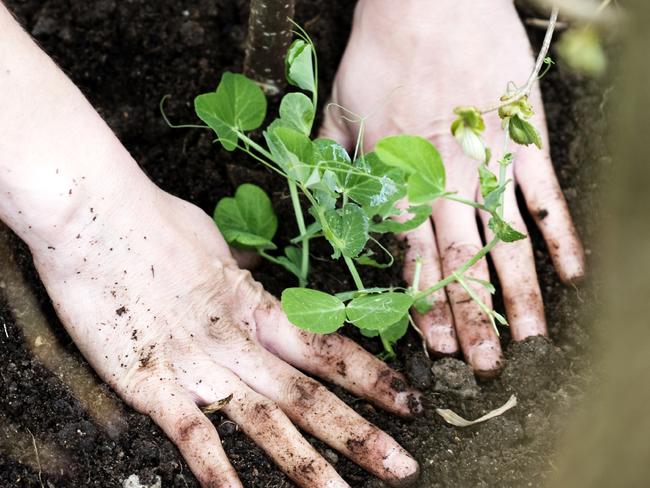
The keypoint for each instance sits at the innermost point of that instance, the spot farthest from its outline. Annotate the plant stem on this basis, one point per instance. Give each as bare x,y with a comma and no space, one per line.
465,201
503,167
525,91
474,296
460,271
355,274
300,220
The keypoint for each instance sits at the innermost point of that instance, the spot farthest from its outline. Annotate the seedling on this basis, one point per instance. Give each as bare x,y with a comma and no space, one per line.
353,199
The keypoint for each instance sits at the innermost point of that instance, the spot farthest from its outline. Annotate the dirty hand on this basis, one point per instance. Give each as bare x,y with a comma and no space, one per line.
152,297
406,67
145,285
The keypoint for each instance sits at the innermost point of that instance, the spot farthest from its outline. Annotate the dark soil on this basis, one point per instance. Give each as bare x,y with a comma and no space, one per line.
125,55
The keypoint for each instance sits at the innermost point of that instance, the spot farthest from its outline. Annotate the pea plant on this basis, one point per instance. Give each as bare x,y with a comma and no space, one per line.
352,199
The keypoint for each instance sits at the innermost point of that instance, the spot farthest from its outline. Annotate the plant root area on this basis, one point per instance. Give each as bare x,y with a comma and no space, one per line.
59,427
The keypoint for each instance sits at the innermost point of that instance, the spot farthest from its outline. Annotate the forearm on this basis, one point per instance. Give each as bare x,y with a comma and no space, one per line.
57,156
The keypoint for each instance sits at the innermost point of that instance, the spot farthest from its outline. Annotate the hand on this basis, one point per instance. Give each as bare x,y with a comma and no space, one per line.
405,69
152,297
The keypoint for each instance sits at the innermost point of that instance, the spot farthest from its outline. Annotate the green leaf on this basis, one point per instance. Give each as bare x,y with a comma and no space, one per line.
469,117
348,230
292,260
492,200
349,295
248,219
292,151
423,305
503,230
297,112
395,332
488,180
420,214
366,259
313,310
299,67
523,132
378,312
329,150
419,158
485,284
238,104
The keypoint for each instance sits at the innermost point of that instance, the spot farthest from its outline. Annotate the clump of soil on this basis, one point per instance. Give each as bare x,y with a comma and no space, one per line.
125,56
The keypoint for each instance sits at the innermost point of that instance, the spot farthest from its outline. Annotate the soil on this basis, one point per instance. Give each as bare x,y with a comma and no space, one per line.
125,56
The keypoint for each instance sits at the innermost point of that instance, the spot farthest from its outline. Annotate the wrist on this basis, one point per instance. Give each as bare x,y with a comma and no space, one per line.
422,18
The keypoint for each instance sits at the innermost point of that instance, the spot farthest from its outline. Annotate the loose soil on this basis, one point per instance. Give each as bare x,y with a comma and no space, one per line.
125,56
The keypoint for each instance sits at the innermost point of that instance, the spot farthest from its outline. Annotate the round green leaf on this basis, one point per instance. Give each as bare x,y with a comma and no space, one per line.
248,219
396,331
237,104
420,159
313,310
378,312
299,66
297,112
348,230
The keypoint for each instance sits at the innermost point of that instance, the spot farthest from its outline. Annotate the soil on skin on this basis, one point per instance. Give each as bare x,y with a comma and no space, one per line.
125,55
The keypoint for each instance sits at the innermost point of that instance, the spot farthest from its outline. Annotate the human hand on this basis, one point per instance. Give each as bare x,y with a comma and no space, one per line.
152,297
405,69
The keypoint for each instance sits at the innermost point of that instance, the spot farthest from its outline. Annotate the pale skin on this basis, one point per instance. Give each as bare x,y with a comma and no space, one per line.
147,287
405,69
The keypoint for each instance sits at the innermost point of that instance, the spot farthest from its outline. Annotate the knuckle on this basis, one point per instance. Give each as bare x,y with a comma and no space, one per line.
305,393
188,427
262,413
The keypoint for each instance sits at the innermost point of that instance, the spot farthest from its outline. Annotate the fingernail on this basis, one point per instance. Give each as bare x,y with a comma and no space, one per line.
528,327
572,270
441,340
402,466
486,359
336,484
411,401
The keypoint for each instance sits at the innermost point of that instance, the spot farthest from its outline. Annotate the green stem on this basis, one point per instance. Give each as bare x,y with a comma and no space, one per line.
255,145
300,220
503,167
474,296
471,203
355,274
460,271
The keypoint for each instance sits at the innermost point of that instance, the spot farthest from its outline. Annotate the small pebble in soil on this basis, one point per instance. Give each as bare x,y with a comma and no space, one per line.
227,428
455,377
192,34
133,481
418,371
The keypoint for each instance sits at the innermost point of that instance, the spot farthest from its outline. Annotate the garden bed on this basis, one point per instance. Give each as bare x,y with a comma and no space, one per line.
125,56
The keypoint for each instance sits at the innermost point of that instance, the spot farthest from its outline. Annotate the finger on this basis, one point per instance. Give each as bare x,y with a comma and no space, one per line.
536,177
263,421
458,241
336,359
437,324
515,266
316,410
196,438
